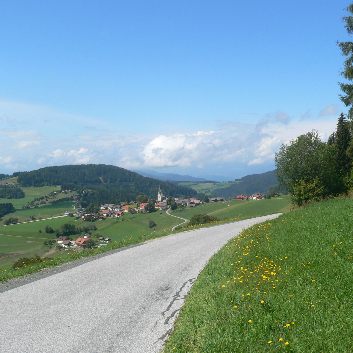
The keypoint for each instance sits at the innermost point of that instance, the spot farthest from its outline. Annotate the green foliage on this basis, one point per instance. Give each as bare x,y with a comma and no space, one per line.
141,198
152,224
50,242
286,280
11,192
308,159
27,261
347,51
6,208
48,229
101,183
202,219
11,220
150,207
306,191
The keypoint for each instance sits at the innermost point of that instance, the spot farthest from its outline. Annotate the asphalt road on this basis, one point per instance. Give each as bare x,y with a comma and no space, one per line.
125,302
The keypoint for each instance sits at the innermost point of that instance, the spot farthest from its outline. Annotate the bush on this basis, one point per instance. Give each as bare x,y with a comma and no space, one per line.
152,224
6,208
11,220
202,219
305,191
49,230
27,261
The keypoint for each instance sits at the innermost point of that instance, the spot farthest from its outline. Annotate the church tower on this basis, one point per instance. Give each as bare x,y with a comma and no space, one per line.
160,195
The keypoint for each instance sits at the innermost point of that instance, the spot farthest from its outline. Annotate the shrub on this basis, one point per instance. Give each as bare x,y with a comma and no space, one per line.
305,191
152,224
27,261
49,230
11,220
202,219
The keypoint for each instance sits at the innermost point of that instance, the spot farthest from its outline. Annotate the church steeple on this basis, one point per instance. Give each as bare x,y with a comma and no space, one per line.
160,195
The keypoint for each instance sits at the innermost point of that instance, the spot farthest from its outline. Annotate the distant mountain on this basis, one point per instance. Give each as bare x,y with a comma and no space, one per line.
249,184
100,183
169,176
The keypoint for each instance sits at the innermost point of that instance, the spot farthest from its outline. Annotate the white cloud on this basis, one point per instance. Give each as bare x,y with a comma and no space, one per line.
55,138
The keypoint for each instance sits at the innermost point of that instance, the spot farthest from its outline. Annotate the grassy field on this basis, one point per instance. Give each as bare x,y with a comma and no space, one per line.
206,188
238,209
31,193
285,285
27,239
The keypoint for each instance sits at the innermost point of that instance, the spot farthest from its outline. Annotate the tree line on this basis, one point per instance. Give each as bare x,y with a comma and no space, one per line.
312,169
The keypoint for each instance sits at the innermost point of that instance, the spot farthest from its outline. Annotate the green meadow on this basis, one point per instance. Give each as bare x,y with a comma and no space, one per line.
284,285
24,240
31,193
238,208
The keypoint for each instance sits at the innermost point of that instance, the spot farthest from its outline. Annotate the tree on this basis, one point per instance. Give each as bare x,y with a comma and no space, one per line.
342,141
347,51
6,208
150,207
151,224
305,160
141,198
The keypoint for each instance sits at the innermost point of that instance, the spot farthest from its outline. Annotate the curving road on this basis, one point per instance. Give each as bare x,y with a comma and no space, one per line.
125,302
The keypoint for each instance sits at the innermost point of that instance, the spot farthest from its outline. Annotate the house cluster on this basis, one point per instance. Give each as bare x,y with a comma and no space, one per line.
256,196
80,242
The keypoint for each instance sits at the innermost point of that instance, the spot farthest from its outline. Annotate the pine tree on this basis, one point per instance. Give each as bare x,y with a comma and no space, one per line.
343,140
347,51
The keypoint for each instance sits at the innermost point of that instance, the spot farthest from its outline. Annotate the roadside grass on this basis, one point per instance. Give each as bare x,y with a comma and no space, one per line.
31,193
284,285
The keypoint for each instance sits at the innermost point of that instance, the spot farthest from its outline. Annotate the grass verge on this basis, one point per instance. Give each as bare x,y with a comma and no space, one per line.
285,285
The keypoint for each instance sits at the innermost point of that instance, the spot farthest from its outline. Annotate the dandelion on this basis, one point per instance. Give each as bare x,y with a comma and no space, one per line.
286,343
262,301
280,339
250,321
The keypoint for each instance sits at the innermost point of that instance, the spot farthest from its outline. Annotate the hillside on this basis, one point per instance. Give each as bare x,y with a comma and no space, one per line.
282,286
249,184
99,183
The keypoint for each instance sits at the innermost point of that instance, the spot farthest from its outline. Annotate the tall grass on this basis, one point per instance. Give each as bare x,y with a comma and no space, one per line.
285,285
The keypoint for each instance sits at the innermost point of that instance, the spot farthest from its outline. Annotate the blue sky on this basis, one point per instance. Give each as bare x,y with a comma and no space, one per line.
198,87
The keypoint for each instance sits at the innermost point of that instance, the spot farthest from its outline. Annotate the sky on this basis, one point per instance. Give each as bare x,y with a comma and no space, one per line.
206,88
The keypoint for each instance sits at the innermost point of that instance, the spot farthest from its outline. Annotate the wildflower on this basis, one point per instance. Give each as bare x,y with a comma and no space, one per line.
269,342
262,301
250,321
286,343
280,339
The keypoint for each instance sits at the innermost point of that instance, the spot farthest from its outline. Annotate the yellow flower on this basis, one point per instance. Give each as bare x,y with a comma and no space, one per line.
262,301
286,343
280,339
250,321
223,285
270,342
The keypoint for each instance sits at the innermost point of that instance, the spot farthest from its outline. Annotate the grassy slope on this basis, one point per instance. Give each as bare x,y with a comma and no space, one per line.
31,193
238,209
285,285
206,188
26,240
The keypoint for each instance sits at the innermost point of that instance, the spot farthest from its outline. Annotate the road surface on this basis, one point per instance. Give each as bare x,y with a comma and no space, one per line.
125,302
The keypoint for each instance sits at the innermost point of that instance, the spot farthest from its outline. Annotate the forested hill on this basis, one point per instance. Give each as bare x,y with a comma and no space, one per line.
250,184
99,183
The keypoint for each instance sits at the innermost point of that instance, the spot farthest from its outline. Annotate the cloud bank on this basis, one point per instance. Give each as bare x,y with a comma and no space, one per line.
33,136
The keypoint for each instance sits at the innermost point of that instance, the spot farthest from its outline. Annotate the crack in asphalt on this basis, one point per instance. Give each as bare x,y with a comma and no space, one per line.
169,315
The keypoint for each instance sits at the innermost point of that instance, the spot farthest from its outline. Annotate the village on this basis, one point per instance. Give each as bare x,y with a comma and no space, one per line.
162,203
